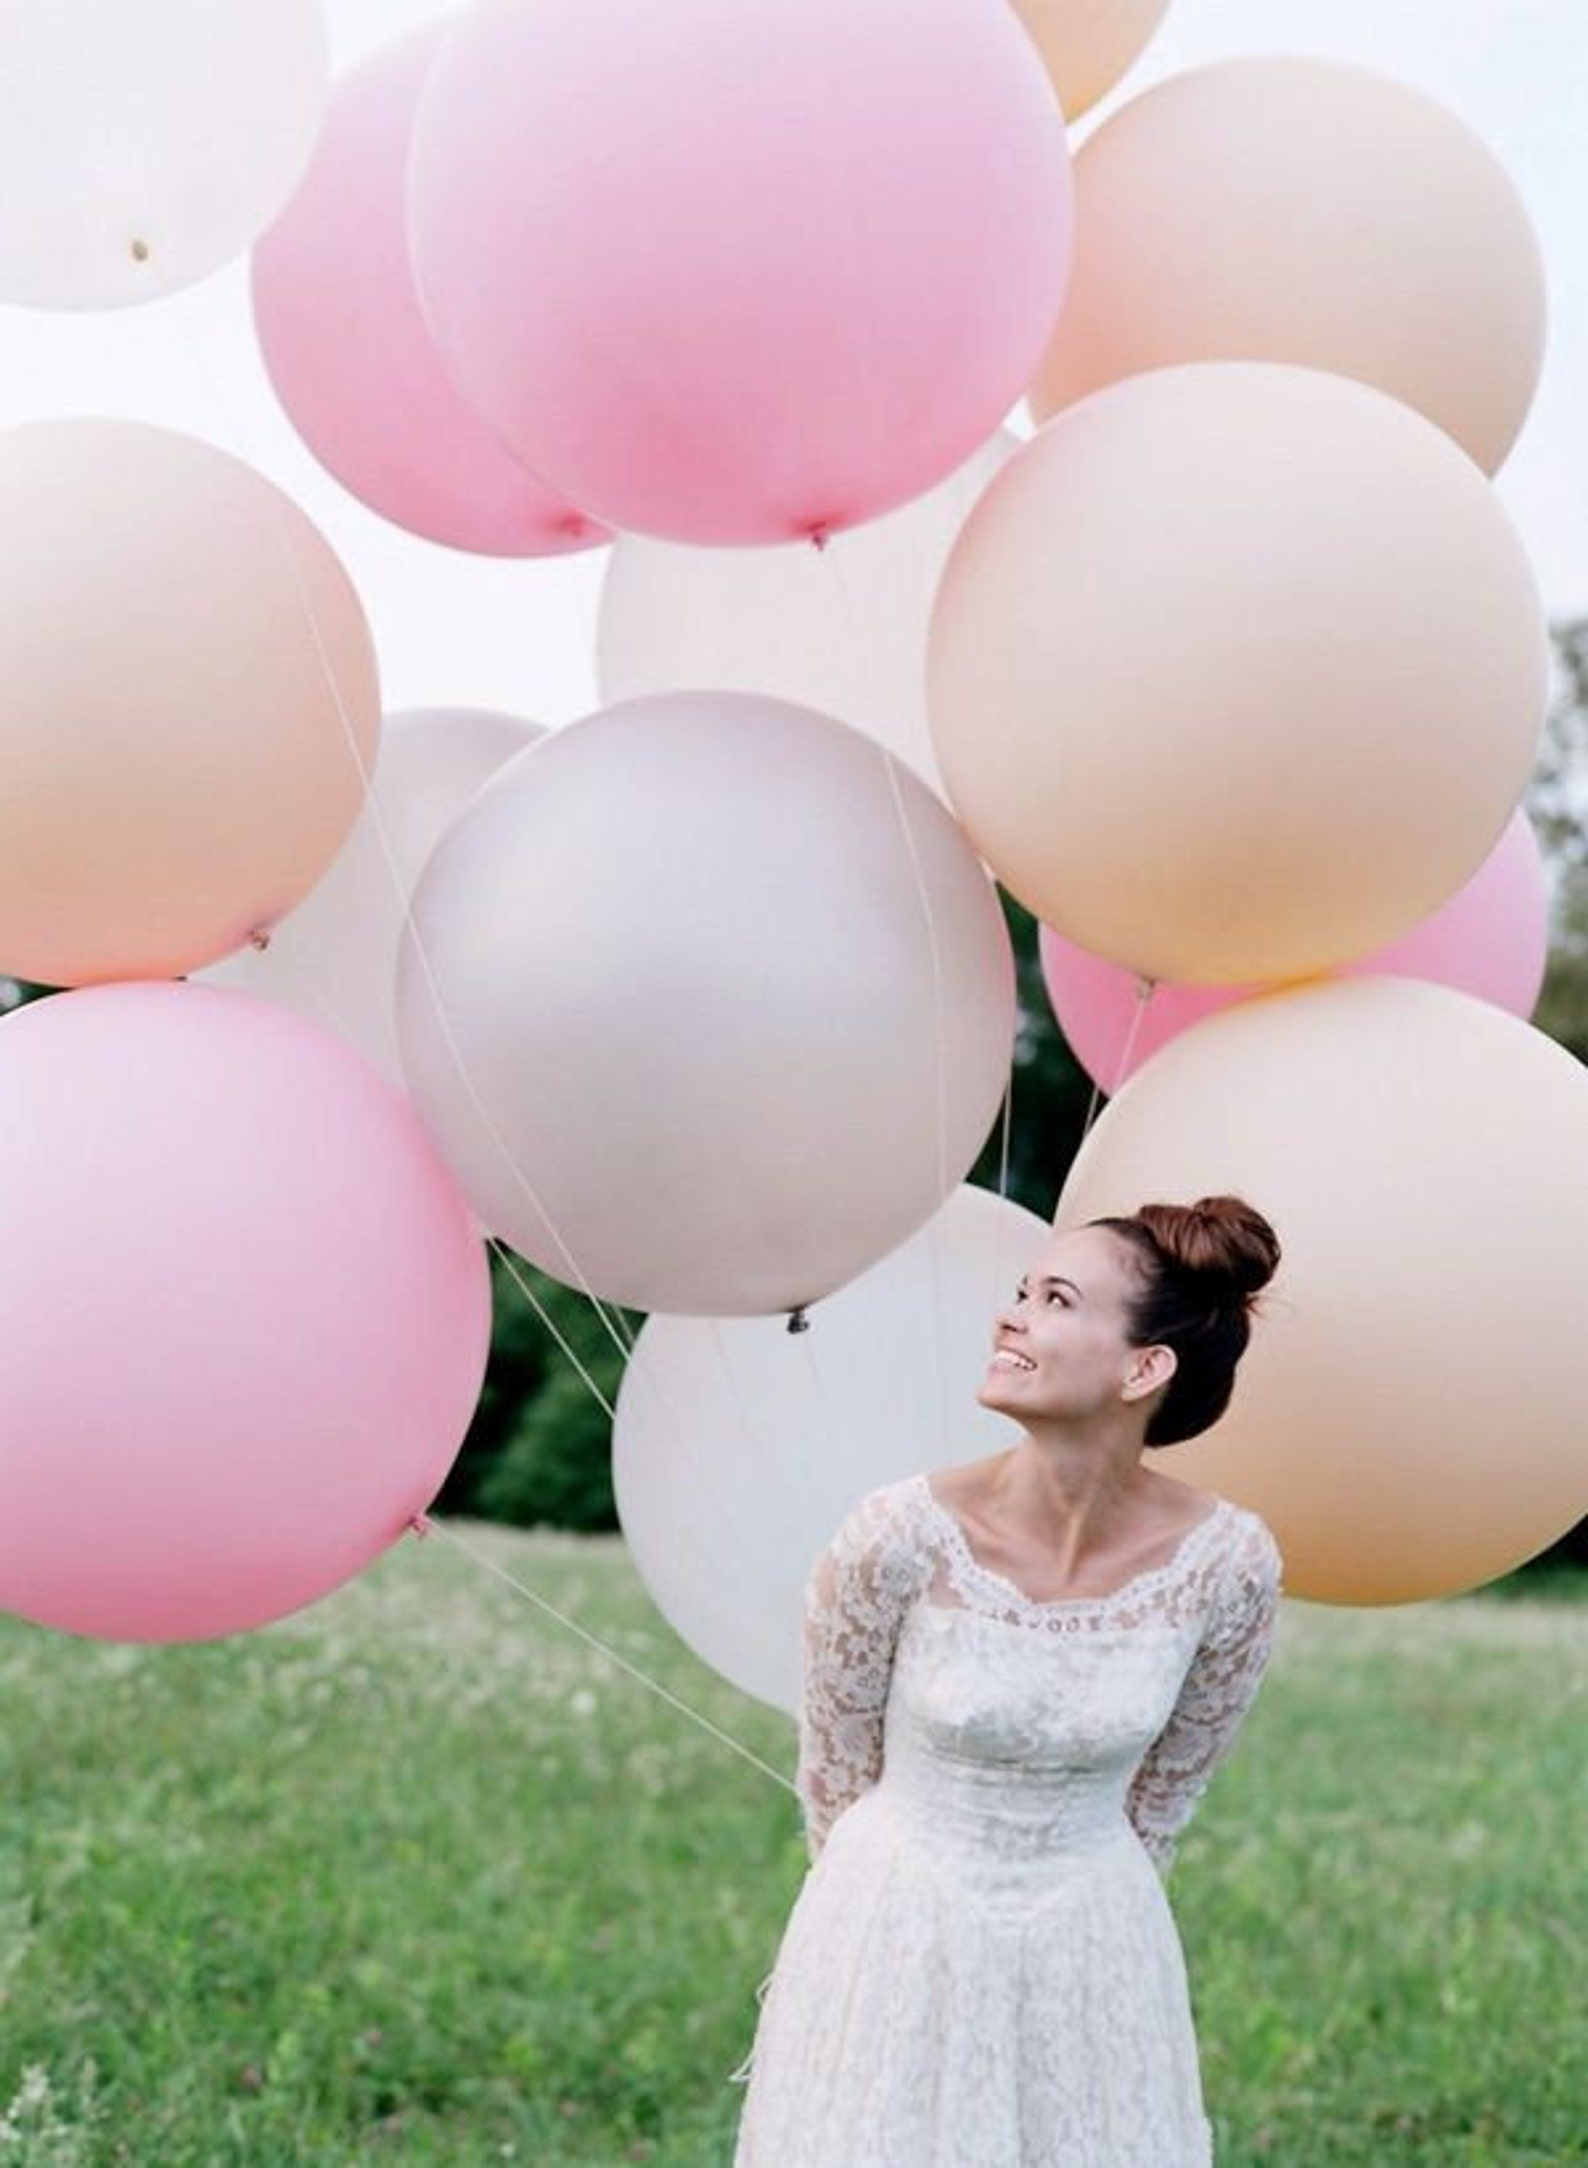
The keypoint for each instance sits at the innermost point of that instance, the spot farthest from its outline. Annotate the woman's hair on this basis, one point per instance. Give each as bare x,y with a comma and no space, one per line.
1198,1267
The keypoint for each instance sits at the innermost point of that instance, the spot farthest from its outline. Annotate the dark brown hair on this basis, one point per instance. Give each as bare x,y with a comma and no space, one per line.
1198,1267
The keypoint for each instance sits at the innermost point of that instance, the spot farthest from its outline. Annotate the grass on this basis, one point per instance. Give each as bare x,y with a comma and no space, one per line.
417,1876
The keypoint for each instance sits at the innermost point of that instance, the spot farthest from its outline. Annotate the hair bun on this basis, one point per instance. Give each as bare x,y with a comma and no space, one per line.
1224,1237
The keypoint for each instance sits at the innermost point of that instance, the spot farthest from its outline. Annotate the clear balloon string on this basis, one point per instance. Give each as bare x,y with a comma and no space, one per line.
1145,989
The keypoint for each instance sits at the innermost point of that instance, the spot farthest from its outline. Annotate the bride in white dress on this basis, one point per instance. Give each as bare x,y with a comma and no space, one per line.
1019,1675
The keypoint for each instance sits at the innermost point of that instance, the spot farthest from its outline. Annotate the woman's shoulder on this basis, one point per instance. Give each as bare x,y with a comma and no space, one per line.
1253,1565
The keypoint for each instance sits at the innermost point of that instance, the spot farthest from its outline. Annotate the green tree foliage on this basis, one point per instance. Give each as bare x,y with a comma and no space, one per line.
1557,804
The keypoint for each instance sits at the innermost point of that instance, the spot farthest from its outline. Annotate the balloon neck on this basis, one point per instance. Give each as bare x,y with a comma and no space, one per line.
139,251
421,1524
820,537
259,937
797,1320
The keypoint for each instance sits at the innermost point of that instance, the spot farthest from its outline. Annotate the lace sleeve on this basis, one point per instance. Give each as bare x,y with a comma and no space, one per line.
1219,1687
855,1600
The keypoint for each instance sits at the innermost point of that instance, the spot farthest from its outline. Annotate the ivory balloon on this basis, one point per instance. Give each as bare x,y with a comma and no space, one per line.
247,1316
1280,208
737,1447
1408,1417
1491,939
1236,671
141,147
335,957
726,1007
689,261
842,630
1086,45
349,352
188,702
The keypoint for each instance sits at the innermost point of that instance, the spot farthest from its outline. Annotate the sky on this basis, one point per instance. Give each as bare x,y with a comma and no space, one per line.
452,629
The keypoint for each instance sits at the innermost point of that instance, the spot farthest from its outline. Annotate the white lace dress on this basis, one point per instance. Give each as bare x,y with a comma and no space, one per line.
981,1968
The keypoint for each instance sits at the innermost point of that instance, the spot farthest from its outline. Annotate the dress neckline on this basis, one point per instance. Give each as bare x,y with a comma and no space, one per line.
1147,1577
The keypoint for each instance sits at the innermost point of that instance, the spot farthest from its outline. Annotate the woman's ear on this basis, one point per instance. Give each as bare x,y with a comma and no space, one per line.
1149,1368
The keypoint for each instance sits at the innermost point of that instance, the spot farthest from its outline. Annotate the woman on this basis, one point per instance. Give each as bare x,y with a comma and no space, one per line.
1019,1675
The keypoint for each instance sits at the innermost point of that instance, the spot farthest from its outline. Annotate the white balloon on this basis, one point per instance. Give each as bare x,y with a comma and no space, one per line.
738,1446
334,958
143,145
842,629
727,1003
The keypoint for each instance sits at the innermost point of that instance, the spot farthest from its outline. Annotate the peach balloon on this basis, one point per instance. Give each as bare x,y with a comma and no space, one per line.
1086,46
188,703
1491,939
1280,208
1236,671
1408,1417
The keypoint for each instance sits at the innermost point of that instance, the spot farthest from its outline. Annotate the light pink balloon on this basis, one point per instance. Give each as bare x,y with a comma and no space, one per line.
733,273
1491,939
347,348
246,1313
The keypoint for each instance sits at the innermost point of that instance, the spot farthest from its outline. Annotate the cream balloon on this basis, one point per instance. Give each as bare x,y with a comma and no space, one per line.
1237,670
1280,208
1086,45
334,958
1408,1416
141,147
737,1447
707,1002
842,629
188,703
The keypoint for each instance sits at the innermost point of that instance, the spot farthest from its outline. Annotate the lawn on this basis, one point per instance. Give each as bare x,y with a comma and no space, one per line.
418,1876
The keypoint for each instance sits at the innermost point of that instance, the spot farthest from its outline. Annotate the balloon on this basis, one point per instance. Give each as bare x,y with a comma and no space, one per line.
737,1447
335,957
246,1317
1408,1417
1236,670
188,702
348,350
1085,47
1278,208
842,630
142,147
689,261
1491,939
707,1002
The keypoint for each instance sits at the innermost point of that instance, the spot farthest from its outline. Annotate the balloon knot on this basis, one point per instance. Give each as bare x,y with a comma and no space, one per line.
140,251
259,937
421,1524
797,1320
820,537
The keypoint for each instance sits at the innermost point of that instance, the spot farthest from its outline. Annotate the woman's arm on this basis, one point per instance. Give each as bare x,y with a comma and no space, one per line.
1220,1686
856,1596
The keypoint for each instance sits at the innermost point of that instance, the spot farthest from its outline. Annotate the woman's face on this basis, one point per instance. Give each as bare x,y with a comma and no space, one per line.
1060,1339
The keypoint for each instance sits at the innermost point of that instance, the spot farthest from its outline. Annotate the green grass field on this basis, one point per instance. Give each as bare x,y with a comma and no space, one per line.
418,1876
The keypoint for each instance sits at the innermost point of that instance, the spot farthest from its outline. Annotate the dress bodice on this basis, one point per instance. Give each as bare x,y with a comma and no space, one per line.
1007,1728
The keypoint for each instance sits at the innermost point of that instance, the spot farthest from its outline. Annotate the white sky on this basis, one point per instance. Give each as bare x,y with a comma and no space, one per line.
453,629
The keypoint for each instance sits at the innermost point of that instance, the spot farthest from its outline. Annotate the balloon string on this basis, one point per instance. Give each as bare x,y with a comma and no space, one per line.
388,853
1145,989
834,557
425,1524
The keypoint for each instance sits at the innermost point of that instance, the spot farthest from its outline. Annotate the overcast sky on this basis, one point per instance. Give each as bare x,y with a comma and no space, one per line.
520,636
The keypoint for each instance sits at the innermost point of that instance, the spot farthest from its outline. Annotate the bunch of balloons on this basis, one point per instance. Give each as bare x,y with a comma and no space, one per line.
1233,674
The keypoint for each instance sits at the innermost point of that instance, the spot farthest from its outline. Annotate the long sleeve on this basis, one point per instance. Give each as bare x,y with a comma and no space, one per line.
1219,1687
856,1597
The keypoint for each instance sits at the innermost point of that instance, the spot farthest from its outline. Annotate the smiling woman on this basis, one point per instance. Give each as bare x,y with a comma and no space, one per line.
1020,1675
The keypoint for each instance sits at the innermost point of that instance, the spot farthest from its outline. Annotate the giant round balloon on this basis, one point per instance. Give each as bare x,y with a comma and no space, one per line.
335,957
708,1002
1236,671
740,274
1491,939
1086,47
349,352
1280,208
842,630
188,703
1408,1417
142,146
246,1313
738,1447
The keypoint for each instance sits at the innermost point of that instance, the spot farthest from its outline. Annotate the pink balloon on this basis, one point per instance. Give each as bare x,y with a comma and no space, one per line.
346,345
1491,939
734,273
246,1313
